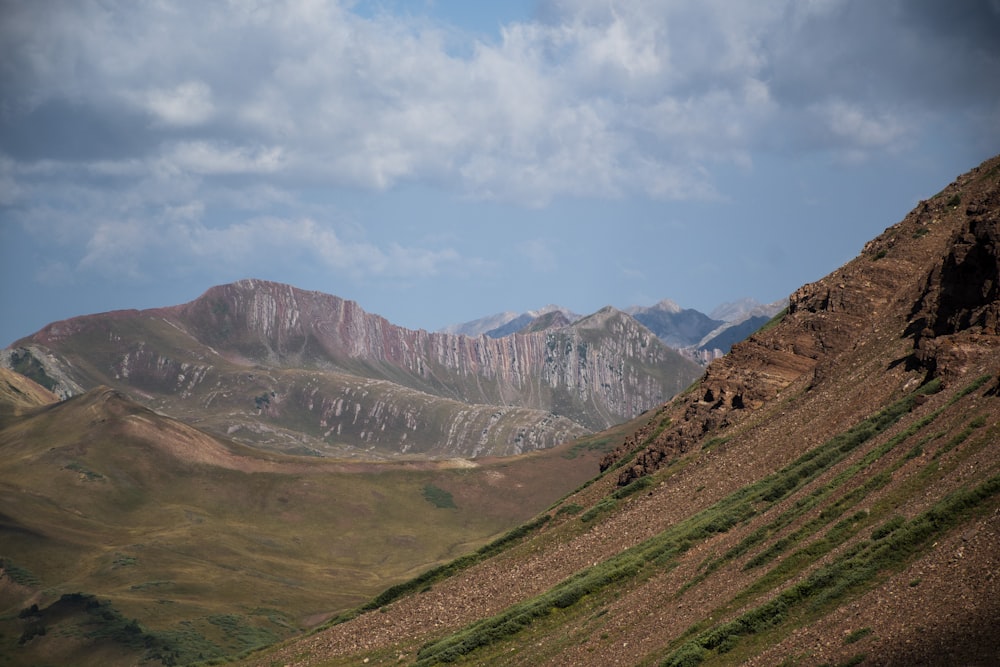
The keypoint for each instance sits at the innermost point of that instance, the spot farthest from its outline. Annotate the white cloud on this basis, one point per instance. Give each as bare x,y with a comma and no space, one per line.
325,95
203,157
117,248
189,103
245,243
138,245
599,100
862,128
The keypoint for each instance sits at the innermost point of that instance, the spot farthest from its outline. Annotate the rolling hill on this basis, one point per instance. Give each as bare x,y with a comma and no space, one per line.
127,536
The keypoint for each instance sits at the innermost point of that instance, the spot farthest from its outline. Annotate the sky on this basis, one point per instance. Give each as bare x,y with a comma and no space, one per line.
442,160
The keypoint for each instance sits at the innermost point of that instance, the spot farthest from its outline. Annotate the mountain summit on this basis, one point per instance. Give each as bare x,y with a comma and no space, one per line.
828,493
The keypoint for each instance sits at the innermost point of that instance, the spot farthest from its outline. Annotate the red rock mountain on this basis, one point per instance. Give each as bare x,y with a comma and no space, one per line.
308,372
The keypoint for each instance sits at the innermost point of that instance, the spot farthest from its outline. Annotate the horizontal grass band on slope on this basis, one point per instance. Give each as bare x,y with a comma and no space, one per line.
848,573
674,541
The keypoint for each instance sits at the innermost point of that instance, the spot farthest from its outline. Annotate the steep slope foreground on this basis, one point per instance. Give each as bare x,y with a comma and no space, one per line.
309,373
828,493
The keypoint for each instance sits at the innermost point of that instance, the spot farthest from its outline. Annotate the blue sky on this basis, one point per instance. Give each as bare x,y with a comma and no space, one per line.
440,161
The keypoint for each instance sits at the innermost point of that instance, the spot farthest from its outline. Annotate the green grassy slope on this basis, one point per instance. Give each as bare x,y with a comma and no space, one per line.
213,548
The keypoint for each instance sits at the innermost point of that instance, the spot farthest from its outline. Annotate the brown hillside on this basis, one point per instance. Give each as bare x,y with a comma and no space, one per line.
828,493
127,537
18,393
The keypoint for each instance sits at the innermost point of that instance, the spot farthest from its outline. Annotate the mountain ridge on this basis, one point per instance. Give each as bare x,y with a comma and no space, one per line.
685,329
304,371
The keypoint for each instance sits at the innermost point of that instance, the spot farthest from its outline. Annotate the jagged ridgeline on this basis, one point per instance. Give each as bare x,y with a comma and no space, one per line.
310,373
826,494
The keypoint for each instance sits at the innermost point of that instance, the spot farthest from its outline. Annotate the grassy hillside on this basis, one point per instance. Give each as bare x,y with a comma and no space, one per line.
18,393
185,547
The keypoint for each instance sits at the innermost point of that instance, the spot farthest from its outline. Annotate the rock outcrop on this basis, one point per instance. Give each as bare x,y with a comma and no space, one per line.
937,273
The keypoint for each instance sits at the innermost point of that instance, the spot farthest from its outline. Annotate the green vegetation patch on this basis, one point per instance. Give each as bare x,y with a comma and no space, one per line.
633,487
18,573
89,475
438,497
602,507
857,635
774,321
23,362
570,509
603,444
97,619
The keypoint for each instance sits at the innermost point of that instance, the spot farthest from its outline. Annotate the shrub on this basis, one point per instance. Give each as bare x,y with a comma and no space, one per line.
597,510
570,509
438,497
857,635
633,487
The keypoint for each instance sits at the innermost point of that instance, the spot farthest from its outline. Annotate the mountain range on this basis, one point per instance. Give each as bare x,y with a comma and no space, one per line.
310,373
685,329
827,493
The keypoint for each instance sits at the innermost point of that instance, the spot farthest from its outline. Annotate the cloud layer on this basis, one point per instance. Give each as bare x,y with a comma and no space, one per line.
125,126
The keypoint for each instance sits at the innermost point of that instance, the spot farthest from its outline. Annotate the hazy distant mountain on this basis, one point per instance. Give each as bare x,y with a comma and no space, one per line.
681,328
741,319
677,327
300,371
735,310
506,323
556,319
482,325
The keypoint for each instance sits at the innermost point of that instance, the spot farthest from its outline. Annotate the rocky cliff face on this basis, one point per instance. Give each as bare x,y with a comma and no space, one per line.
606,367
935,276
271,363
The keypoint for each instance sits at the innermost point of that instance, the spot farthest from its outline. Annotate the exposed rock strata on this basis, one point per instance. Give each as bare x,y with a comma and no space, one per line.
951,305
310,372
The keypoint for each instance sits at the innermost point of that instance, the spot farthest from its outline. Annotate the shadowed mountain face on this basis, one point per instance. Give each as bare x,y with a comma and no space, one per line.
827,493
310,373
676,326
